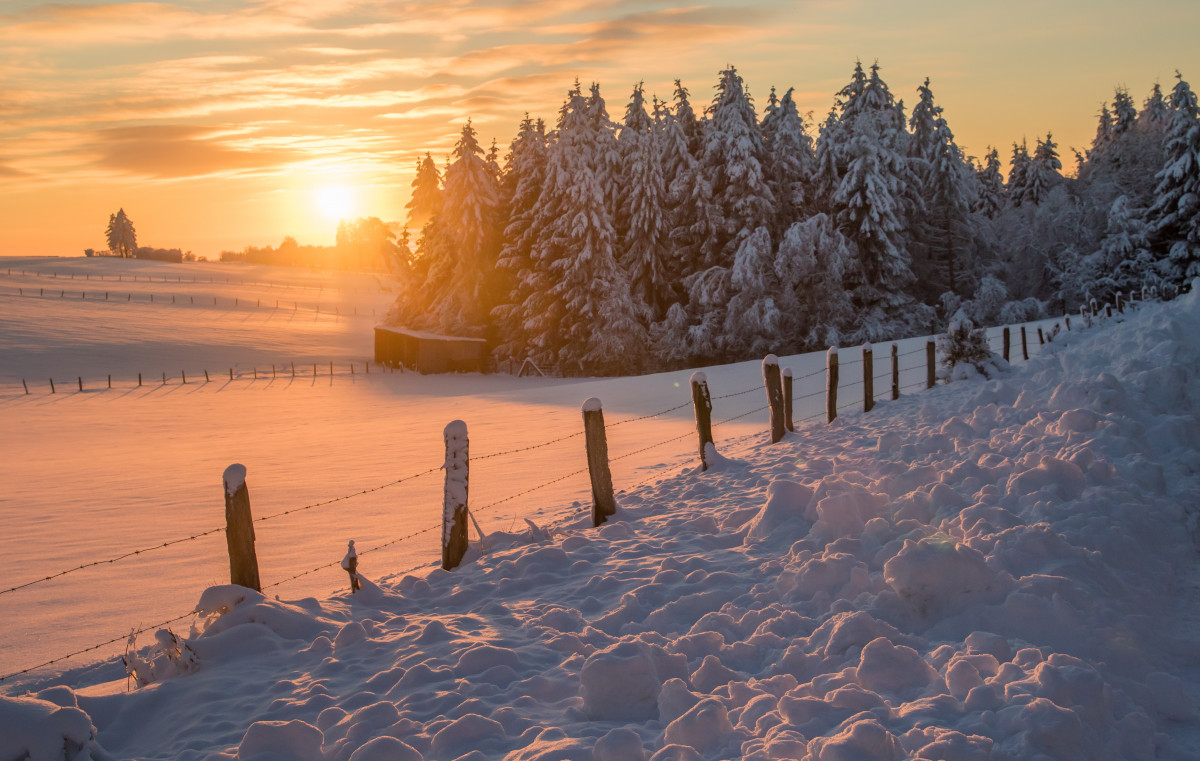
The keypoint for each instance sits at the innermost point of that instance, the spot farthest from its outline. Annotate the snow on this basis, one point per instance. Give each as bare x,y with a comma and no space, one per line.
698,377
992,569
592,404
234,478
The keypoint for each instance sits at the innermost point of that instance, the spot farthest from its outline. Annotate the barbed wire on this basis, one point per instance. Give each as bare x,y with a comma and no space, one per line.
526,449
529,490
123,556
651,415
737,393
744,414
112,641
202,534
348,496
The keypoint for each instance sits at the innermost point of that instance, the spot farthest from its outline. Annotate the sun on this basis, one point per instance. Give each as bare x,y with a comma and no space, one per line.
334,202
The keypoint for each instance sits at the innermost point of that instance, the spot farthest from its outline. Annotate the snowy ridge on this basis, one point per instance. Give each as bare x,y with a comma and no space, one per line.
998,569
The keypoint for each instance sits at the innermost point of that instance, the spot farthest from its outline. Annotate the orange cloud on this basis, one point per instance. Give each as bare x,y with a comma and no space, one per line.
173,151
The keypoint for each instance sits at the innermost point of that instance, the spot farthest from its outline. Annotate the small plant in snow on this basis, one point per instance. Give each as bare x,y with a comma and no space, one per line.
965,352
169,656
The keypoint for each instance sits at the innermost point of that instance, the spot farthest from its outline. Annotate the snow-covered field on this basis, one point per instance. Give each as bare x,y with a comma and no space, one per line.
992,567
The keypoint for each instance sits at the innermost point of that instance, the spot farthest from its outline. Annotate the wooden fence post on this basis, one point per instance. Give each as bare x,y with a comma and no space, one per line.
774,386
52,386
1120,298
868,355
139,380
787,399
930,364
702,404
1024,345
1108,310
603,502
26,385
895,372
1067,319
1007,341
81,383
454,496
831,383
350,565
239,529
1041,338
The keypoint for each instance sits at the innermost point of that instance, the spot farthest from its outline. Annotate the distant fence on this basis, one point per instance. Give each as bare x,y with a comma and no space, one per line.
267,371
87,276
191,300
457,512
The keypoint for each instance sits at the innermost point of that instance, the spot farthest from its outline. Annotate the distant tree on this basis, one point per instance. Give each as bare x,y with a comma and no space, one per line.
122,238
790,161
363,244
991,184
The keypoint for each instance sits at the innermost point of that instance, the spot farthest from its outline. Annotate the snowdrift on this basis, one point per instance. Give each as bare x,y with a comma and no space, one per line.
996,569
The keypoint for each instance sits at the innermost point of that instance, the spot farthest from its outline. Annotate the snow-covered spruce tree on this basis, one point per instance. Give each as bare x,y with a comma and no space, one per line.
587,320
942,234
990,198
1123,262
604,157
1042,172
463,243
120,235
812,265
752,318
731,165
642,223
1019,170
987,302
790,163
965,353
1175,215
426,198
869,210
524,176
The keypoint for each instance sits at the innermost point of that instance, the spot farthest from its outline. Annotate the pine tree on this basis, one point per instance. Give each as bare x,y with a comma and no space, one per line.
941,235
1123,262
813,264
1019,171
121,237
426,198
588,319
1175,215
523,180
991,185
731,165
791,162
642,224
752,317
463,242
1124,112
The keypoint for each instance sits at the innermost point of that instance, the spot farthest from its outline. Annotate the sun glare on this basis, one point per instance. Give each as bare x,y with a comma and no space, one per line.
334,202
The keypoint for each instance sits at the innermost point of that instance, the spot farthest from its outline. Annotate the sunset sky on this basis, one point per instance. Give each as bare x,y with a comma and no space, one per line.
218,124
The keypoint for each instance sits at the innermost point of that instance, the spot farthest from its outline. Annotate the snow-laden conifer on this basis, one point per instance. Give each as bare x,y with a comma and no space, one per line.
790,163
523,181
1175,215
731,165
426,198
462,242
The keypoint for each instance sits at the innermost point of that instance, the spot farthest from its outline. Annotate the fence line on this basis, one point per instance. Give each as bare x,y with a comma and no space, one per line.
435,527
196,281
149,298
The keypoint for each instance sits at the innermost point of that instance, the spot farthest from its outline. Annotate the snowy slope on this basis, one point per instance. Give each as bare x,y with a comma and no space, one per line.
992,569
106,472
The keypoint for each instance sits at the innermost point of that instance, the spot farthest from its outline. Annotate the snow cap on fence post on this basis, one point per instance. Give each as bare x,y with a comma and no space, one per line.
603,502
454,495
702,405
774,386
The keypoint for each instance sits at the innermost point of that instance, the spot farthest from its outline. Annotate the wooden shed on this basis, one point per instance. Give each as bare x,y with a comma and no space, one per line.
429,352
